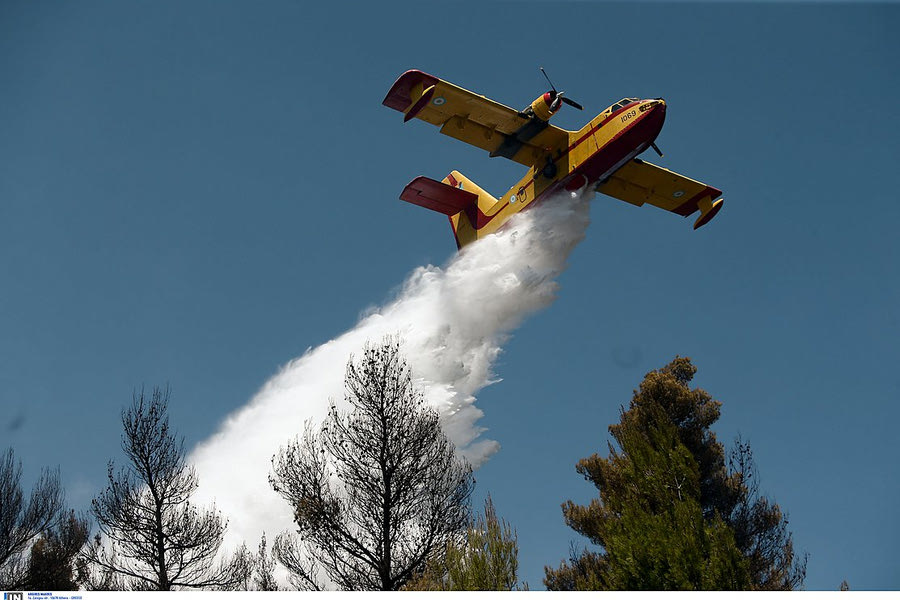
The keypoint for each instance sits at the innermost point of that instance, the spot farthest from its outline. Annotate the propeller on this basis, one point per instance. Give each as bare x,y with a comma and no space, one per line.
559,96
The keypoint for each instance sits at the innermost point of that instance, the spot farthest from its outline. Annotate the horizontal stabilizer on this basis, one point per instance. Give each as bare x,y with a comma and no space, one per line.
437,196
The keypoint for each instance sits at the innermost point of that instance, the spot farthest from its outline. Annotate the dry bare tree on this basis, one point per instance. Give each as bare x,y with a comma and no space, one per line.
23,522
376,491
264,573
155,538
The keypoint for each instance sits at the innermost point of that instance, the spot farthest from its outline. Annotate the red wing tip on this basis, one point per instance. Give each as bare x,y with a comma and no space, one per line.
398,96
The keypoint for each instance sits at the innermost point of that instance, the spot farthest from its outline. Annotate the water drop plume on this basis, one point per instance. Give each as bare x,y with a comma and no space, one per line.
453,321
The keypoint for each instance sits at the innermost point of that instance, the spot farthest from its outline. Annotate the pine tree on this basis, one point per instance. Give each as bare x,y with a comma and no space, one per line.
264,573
39,519
487,559
155,537
375,491
671,514
52,562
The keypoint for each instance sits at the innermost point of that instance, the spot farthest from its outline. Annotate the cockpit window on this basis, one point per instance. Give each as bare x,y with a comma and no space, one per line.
621,104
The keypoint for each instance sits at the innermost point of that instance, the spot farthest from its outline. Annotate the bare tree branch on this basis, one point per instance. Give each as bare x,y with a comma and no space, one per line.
157,539
22,522
375,491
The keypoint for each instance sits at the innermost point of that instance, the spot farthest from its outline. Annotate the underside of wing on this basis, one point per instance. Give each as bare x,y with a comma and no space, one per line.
639,182
474,119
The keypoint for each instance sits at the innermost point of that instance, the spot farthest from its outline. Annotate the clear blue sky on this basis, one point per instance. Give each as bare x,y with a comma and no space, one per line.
195,193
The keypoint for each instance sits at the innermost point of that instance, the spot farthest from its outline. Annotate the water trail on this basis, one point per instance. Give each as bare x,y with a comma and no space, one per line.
453,322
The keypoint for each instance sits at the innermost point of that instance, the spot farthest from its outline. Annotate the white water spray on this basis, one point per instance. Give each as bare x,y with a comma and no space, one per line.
453,323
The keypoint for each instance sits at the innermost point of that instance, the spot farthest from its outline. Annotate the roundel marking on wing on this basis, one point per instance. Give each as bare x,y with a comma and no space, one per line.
678,194
439,101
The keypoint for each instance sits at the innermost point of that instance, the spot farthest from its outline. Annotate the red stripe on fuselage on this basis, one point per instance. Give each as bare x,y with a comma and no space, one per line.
637,136
642,131
594,129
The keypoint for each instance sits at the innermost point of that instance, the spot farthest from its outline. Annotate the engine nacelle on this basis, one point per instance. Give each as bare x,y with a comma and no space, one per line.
546,105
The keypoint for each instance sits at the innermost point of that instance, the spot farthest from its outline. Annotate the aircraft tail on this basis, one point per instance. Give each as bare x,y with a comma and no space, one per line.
456,196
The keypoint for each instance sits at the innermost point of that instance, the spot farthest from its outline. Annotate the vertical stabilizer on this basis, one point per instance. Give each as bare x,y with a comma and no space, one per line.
466,224
457,197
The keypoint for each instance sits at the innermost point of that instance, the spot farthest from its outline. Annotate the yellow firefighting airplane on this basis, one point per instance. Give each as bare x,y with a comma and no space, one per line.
601,154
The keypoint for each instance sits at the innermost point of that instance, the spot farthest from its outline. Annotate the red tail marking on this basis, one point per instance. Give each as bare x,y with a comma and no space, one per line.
437,196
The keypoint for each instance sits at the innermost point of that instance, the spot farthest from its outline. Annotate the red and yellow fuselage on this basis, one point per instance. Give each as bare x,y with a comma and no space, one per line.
601,155
594,152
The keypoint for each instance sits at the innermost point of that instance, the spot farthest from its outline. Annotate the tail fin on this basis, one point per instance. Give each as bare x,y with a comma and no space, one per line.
466,225
458,198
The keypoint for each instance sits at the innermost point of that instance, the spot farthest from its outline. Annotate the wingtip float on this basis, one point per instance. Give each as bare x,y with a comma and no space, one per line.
602,154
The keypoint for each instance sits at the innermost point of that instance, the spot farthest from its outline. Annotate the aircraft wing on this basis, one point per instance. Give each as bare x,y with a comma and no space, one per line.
474,119
639,182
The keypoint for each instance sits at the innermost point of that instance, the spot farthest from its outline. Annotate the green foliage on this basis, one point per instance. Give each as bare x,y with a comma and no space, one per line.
581,572
488,559
675,549
670,514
